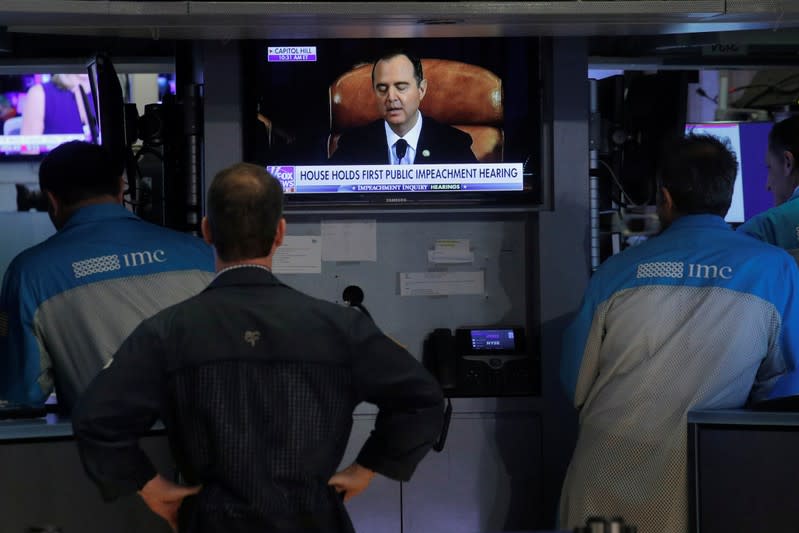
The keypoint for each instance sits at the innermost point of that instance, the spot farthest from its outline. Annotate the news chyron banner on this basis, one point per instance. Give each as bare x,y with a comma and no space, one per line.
399,178
12,144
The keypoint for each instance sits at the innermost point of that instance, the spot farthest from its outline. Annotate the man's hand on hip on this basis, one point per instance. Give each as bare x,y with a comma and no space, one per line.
352,481
164,497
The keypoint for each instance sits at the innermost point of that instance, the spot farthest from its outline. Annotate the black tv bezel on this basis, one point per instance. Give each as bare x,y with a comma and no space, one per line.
530,199
109,105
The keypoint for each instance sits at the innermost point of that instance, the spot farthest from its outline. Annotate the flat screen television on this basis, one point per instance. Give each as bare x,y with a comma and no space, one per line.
749,141
39,111
303,97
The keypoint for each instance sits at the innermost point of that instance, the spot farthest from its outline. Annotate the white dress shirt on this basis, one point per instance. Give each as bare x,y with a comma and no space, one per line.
412,138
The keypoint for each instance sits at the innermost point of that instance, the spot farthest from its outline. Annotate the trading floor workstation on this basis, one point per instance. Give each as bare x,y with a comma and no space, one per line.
475,267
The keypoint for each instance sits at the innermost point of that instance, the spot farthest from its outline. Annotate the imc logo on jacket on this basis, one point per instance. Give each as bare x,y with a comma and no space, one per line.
109,263
677,269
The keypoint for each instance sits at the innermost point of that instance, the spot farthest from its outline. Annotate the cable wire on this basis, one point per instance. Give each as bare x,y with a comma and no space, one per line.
621,188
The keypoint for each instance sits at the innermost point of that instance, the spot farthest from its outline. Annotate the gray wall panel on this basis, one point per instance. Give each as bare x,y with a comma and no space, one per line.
378,508
223,106
564,259
487,478
402,245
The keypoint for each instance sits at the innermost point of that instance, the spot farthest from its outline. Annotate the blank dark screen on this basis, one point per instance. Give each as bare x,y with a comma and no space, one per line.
748,479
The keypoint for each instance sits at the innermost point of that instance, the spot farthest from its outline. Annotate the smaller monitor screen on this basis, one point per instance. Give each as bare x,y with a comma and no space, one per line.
749,141
40,111
493,339
166,85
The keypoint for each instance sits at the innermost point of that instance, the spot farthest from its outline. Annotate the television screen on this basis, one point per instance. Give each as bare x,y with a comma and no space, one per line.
40,111
322,126
166,85
749,141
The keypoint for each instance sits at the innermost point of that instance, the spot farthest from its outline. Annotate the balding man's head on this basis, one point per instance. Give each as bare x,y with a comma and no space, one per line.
245,205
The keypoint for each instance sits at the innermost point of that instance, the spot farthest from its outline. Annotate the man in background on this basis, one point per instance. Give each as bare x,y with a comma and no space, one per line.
403,136
780,225
699,317
256,384
69,302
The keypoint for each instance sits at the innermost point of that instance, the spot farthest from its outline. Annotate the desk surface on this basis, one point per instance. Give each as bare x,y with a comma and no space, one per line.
743,417
53,426
48,427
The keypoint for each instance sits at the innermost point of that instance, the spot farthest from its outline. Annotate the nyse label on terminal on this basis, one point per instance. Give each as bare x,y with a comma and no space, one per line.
291,53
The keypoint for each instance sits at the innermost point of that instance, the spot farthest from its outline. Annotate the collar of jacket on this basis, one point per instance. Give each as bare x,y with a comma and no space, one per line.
244,276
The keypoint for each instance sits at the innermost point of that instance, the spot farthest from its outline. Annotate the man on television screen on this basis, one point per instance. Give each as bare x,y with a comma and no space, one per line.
403,136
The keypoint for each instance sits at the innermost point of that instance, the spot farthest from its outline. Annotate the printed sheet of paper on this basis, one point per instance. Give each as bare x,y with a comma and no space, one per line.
349,240
451,251
441,283
299,254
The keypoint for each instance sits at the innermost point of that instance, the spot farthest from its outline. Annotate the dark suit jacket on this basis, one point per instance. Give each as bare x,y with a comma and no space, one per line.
256,384
367,145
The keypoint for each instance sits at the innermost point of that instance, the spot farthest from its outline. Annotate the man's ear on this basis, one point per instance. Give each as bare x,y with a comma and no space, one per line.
54,204
788,163
279,235
666,199
122,184
205,229
422,88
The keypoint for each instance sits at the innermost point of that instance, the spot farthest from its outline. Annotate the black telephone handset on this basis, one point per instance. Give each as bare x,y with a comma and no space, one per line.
442,437
440,359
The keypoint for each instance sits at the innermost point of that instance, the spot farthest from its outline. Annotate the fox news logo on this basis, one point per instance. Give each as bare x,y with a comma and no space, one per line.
285,175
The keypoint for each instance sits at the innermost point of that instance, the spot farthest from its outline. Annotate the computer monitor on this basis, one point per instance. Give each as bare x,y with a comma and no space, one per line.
39,111
749,141
742,468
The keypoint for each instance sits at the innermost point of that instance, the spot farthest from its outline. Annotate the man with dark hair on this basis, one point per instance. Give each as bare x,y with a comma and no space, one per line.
699,317
69,302
780,225
402,136
256,384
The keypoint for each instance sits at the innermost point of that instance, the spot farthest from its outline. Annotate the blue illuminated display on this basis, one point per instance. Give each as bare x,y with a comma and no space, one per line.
493,339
